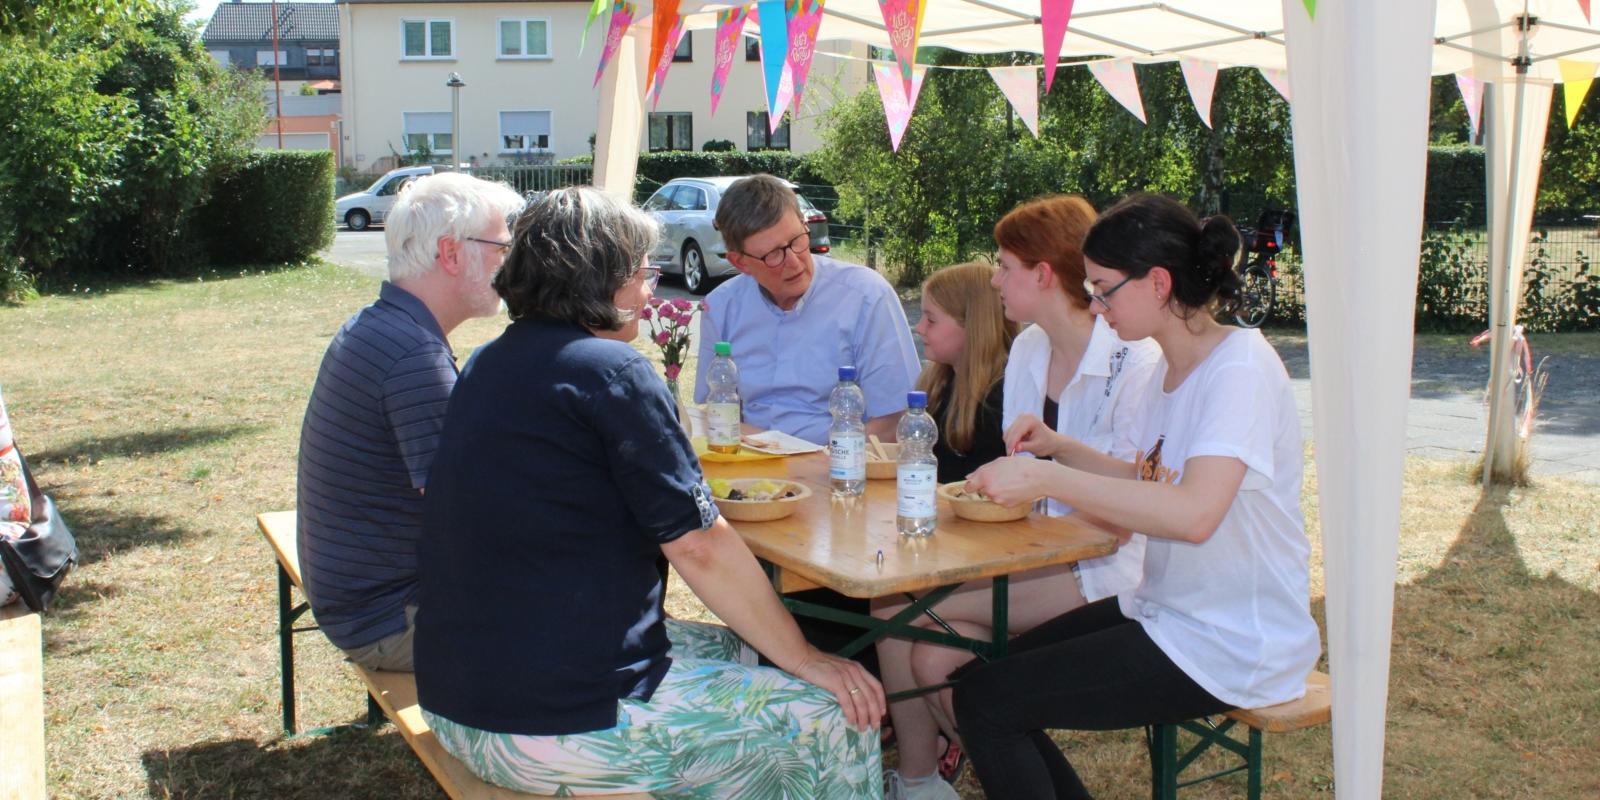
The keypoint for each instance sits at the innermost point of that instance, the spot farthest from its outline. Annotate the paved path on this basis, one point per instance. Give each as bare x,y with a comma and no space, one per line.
1446,419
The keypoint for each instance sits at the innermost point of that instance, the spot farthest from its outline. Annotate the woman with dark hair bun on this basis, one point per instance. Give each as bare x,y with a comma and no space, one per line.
1221,619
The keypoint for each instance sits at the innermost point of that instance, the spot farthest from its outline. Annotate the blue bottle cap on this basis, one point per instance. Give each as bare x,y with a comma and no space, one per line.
847,373
917,399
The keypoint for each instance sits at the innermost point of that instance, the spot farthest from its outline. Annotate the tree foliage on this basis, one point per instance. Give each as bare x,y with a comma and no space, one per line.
966,159
113,120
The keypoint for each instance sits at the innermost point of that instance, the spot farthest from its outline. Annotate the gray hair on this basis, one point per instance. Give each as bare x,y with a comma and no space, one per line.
574,249
753,205
433,206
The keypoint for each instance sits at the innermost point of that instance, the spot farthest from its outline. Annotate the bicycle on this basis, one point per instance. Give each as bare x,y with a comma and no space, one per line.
1527,381
1260,268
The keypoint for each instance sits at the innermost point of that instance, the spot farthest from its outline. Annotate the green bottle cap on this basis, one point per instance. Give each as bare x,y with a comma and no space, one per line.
724,349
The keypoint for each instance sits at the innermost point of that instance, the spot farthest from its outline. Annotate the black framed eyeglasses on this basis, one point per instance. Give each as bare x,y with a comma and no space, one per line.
503,247
652,276
1103,299
776,257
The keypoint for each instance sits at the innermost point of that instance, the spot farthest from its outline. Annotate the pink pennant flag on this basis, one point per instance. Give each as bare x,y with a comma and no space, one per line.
897,106
903,21
621,17
805,16
1584,4
664,61
1020,85
1201,76
1279,80
1053,18
1575,79
1472,98
1116,75
730,28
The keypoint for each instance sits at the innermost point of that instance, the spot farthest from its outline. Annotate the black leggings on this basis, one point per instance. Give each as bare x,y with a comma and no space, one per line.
1091,669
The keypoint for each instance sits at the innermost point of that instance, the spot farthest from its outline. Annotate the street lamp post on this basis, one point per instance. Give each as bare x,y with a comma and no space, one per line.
455,83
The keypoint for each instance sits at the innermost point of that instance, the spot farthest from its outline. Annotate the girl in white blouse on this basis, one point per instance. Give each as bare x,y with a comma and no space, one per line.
1221,618
1072,370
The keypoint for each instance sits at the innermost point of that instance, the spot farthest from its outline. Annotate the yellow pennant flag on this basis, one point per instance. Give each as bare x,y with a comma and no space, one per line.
1575,79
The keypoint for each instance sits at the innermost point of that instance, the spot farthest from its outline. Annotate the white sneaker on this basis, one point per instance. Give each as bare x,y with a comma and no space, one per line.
932,787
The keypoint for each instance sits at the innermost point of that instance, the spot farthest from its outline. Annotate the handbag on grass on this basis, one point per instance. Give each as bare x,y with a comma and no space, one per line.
39,560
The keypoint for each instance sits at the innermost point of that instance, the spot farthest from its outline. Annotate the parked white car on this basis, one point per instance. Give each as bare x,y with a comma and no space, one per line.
690,244
369,207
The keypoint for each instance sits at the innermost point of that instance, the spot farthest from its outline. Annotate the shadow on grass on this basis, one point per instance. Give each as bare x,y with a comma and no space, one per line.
105,532
96,285
142,443
350,765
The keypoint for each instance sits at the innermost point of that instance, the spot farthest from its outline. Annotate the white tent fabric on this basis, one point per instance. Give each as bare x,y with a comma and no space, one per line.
1360,106
1360,142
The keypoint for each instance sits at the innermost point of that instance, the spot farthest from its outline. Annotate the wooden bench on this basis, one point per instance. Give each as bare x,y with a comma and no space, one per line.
394,694
21,704
1167,764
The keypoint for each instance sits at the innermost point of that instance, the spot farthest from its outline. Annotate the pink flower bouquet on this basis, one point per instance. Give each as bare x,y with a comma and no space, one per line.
670,322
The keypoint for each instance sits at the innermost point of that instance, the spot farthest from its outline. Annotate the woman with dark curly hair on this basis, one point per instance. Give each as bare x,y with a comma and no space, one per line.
1221,618
544,657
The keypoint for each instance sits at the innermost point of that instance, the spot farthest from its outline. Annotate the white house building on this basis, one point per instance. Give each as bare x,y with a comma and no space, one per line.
528,93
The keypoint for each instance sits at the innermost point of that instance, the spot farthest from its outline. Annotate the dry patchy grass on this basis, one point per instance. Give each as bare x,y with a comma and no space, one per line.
164,417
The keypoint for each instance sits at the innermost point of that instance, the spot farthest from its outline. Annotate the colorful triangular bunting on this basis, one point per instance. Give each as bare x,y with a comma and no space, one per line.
596,8
1575,79
1201,77
730,29
1020,85
621,17
1279,80
774,50
1053,18
1118,78
658,77
1472,98
664,22
897,107
903,22
1584,4
1311,8
805,16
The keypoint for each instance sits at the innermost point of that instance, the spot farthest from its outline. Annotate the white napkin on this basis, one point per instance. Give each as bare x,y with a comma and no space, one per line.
778,443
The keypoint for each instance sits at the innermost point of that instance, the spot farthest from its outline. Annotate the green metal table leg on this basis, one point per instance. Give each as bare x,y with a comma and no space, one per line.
286,617
1163,743
1254,759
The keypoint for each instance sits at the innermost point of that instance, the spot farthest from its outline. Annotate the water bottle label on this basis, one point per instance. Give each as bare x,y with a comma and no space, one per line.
847,457
917,484
722,423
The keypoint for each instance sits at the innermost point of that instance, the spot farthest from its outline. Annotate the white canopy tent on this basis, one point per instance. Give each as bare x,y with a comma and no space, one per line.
1358,74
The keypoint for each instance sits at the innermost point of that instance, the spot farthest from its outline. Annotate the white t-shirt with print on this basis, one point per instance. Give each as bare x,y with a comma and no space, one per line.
1233,612
1096,408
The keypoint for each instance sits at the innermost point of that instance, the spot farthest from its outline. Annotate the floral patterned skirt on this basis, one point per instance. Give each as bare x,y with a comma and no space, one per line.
717,726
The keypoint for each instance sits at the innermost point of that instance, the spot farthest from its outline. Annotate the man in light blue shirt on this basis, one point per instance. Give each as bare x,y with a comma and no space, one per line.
794,319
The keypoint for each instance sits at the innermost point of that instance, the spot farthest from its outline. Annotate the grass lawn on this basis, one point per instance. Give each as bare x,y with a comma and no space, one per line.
164,417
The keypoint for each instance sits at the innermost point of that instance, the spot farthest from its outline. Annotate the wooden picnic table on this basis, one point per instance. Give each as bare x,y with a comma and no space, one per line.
835,544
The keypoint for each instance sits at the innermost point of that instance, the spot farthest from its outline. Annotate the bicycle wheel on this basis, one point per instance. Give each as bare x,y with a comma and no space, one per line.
1255,303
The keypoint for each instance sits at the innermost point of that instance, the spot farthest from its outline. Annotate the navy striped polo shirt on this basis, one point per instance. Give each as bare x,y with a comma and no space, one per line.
368,439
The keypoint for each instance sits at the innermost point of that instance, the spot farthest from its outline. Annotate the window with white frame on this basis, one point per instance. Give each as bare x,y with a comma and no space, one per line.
427,38
264,58
321,57
671,130
221,56
524,131
758,136
426,130
524,38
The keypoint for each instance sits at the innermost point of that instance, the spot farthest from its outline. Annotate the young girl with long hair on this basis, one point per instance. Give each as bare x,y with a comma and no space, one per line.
1221,617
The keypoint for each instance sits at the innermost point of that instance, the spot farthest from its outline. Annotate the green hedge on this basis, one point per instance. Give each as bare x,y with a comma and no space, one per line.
275,207
1455,190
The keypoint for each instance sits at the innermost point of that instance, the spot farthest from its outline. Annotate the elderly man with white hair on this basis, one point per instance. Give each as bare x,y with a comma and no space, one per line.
376,410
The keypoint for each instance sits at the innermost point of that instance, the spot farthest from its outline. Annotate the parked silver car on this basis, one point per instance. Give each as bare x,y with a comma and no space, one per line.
371,206
690,244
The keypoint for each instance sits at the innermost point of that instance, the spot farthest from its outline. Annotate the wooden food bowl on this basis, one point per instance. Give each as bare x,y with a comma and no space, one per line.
881,470
762,510
979,510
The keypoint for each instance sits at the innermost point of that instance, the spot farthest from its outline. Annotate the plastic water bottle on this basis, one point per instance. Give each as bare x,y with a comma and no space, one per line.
722,402
847,437
917,474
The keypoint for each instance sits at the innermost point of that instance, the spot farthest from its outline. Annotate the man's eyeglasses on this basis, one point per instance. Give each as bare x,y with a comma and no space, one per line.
1103,299
652,276
503,247
775,259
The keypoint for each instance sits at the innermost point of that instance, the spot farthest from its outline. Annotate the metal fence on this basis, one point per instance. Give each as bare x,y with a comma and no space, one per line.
525,178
